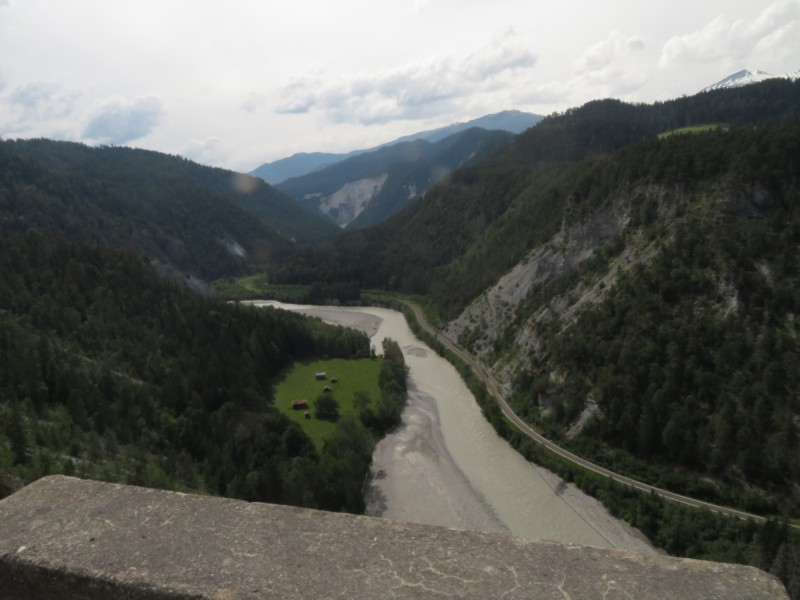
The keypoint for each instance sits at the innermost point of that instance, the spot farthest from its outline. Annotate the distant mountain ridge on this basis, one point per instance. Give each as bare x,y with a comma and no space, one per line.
366,189
745,77
302,163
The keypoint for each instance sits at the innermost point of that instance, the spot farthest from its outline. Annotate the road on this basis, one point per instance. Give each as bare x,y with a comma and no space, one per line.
493,387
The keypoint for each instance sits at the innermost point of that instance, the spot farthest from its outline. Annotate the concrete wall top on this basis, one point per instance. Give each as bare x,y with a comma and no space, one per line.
66,539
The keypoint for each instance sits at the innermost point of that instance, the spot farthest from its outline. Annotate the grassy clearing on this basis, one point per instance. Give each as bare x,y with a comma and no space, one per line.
300,382
692,129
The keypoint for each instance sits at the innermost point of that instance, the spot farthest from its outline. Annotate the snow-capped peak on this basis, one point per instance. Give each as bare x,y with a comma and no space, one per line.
745,77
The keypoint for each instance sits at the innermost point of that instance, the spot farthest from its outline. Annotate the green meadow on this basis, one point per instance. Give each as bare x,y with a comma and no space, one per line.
300,383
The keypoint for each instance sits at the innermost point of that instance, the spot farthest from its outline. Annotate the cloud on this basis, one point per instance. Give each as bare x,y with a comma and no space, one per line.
613,67
35,104
412,91
727,39
608,52
420,5
208,151
121,121
254,102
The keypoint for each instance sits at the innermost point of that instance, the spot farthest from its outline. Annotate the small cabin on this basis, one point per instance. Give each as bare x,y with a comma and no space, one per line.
327,389
299,404
306,415
334,380
321,376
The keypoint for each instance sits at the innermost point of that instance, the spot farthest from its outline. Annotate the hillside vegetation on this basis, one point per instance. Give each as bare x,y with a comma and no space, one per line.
208,222
107,371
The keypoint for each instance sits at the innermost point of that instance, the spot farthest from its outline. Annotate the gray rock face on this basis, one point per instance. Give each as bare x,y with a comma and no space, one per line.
67,539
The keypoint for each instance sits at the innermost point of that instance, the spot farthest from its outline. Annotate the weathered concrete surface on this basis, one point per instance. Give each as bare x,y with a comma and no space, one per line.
66,539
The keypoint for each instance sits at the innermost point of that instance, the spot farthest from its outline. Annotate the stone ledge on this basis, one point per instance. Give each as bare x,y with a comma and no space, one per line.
67,539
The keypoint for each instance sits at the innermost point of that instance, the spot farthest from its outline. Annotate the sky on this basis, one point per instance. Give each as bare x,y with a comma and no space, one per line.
237,83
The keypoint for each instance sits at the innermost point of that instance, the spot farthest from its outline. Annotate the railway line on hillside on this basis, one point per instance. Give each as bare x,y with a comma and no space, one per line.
494,389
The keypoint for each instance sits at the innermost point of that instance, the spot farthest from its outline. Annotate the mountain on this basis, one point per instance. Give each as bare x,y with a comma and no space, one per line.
201,220
513,121
369,188
296,165
745,77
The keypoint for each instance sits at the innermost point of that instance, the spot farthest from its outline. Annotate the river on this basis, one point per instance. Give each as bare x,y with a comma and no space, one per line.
445,464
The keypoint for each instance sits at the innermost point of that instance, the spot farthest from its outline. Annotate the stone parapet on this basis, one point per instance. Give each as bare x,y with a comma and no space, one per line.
63,538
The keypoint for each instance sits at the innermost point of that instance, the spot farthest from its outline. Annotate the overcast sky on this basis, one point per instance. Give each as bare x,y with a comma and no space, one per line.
236,83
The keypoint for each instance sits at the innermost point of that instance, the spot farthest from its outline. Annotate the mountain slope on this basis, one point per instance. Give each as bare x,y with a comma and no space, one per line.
303,163
512,121
369,188
665,306
296,165
206,221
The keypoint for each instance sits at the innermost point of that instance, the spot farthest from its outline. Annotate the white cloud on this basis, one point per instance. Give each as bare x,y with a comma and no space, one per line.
724,38
271,78
411,91
207,151
609,52
420,5
28,106
121,121
613,67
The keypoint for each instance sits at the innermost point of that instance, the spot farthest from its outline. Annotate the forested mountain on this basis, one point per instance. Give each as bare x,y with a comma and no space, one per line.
302,163
206,221
371,187
297,165
648,282
110,372
512,121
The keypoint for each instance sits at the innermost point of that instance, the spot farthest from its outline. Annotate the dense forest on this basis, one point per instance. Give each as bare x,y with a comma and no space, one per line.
110,372
204,221
692,357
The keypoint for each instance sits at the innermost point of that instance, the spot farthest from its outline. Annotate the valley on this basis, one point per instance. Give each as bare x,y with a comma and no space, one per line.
446,466
620,279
